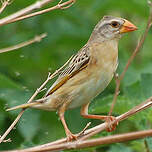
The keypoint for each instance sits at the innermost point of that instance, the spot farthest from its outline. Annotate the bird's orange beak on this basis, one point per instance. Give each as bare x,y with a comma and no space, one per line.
127,27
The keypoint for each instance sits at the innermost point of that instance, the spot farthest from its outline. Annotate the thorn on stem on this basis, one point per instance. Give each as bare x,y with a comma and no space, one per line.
42,90
85,128
4,141
65,7
60,2
9,2
118,93
38,90
49,74
116,77
40,37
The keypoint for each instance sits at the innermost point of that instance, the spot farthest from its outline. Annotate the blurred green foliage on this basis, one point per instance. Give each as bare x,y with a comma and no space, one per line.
23,70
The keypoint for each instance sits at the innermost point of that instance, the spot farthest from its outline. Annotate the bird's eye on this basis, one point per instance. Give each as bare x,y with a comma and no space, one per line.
115,24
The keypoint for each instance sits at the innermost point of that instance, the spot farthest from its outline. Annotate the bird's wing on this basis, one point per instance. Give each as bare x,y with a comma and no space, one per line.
78,62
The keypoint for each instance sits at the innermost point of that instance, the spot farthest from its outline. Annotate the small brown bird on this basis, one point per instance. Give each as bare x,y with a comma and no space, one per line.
88,73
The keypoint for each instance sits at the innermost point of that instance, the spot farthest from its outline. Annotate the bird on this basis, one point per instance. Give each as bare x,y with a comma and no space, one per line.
87,74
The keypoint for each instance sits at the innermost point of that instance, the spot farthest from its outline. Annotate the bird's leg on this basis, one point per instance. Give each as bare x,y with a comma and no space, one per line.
108,119
69,135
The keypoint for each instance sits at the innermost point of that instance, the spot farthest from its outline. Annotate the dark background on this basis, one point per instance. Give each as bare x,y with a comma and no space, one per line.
23,70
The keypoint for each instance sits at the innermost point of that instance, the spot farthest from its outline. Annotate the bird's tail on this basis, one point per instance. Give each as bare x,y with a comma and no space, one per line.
23,106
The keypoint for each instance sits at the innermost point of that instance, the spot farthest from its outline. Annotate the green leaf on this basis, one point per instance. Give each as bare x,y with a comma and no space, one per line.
29,124
103,105
146,84
2,120
6,82
26,144
14,97
134,92
119,148
137,145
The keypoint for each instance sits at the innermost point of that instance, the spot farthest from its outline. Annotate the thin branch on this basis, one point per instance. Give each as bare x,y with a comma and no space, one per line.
62,144
64,5
4,4
32,98
37,38
20,15
93,142
36,5
11,127
7,140
137,49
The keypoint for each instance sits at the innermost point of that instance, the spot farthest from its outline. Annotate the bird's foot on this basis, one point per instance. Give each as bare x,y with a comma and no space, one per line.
111,127
71,137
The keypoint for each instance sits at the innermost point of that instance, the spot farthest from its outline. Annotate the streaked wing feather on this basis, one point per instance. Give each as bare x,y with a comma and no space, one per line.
79,62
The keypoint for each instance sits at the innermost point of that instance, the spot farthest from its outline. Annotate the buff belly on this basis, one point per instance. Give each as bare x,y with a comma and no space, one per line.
77,91
89,90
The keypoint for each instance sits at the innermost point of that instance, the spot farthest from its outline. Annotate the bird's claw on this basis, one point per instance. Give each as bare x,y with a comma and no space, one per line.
71,137
111,127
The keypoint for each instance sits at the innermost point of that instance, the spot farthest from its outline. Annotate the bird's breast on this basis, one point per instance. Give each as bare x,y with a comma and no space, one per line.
98,74
104,58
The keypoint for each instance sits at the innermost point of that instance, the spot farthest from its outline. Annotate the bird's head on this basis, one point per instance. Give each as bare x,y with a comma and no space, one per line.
113,27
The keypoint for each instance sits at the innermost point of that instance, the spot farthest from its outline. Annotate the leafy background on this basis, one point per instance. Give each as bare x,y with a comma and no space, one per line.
23,70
